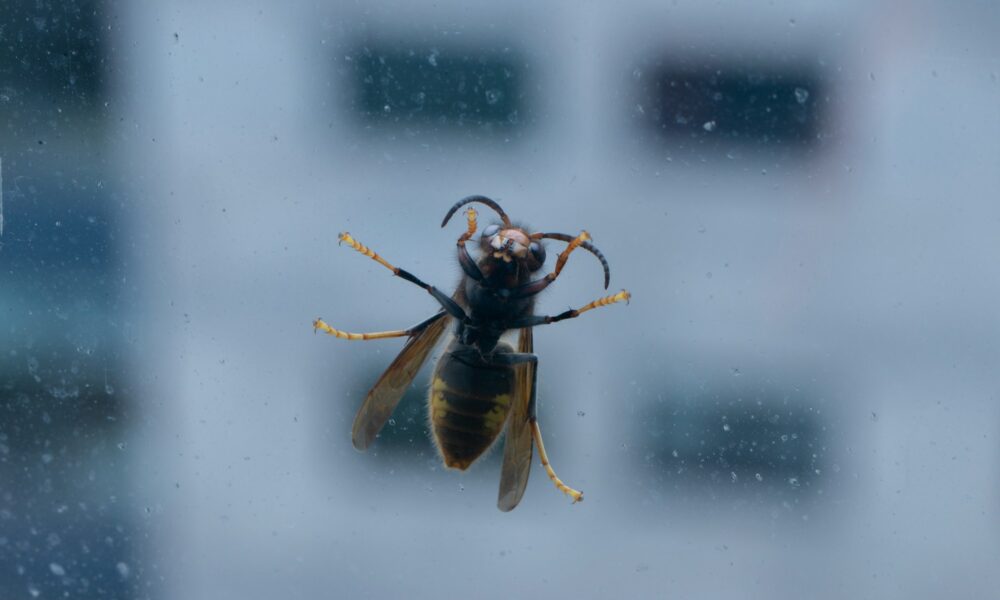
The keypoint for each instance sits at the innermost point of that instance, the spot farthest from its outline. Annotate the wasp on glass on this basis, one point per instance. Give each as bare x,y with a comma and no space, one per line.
480,384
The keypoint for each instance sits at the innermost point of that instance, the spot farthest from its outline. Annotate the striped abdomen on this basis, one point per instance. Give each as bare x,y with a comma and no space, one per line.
469,402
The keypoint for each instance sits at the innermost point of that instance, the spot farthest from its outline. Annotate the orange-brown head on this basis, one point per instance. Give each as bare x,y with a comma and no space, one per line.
511,244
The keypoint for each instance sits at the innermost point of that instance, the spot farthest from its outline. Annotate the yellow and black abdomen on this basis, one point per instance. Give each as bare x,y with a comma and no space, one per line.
469,402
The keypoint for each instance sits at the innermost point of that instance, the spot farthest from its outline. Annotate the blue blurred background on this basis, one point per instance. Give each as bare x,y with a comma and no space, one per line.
800,401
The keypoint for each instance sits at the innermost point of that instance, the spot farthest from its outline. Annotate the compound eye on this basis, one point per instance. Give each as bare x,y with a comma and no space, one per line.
491,231
538,251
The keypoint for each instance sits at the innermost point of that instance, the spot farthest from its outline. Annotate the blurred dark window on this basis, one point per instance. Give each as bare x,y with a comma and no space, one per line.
62,392
752,440
65,524
52,55
720,106
439,86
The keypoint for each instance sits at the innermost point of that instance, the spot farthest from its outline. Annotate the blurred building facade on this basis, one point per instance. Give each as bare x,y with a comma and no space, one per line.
801,394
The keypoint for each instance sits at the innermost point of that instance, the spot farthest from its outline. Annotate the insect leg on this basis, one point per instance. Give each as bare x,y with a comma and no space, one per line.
536,433
449,305
533,287
319,325
586,246
516,358
353,243
534,320
470,217
469,266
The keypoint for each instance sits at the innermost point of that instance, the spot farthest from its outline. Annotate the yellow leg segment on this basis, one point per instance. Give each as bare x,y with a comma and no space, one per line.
572,314
564,256
319,325
470,216
345,238
620,296
576,495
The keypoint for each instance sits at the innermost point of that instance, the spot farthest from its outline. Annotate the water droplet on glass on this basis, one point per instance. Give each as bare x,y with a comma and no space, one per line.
33,369
120,445
580,413
461,487
675,454
801,95
392,422
793,481
57,569
758,477
709,126
733,476
725,427
33,591
493,96
123,569
784,437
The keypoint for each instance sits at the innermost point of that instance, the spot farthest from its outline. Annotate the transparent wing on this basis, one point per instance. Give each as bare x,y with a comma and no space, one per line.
517,447
390,387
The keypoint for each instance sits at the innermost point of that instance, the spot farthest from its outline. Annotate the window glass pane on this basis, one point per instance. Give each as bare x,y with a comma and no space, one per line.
797,398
